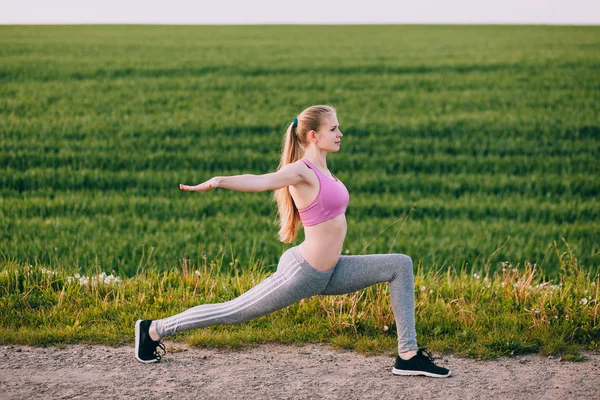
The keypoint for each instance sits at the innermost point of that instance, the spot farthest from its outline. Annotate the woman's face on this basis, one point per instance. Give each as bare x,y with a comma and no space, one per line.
329,136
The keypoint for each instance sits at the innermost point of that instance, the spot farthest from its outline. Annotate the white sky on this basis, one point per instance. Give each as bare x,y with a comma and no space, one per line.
576,12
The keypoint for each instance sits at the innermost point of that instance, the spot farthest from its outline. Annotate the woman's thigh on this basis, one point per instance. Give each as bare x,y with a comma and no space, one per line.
353,273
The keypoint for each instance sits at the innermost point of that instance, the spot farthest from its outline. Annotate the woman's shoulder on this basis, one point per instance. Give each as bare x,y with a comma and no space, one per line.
301,168
304,165
299,164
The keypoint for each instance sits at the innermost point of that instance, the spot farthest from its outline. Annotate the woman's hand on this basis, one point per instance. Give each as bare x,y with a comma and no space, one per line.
212,183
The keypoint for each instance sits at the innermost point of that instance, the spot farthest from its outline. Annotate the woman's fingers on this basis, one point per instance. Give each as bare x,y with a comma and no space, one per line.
198,188
202,187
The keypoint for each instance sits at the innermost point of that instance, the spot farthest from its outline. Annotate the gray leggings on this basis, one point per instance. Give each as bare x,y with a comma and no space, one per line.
296,279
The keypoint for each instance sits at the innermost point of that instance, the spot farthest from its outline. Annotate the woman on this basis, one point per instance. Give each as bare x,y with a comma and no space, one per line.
308,194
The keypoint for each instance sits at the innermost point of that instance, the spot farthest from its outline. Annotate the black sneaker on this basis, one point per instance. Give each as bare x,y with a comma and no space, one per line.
146,349
421,364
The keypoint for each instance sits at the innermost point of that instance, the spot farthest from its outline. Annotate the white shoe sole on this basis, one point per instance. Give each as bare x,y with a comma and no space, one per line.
414,373
137,344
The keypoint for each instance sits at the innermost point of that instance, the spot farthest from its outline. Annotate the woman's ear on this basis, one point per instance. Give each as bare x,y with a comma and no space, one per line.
312,136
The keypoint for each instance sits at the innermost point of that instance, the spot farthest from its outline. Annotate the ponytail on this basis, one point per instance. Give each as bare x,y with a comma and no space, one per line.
289,217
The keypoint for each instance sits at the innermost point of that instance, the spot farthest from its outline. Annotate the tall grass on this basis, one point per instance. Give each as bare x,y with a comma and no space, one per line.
481,314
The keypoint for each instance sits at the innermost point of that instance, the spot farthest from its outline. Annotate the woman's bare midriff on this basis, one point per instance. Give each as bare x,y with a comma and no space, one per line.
322,245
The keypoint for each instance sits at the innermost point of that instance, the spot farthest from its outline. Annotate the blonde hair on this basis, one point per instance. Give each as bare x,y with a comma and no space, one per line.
293,145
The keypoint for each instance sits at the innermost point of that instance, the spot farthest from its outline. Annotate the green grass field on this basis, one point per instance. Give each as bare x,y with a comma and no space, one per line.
482,140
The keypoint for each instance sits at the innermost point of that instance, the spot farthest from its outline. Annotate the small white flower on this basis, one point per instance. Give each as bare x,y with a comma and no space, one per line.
430,291
347,251
584,301
515,270
386,328
69,279
476,276
422,288
77,276
197,273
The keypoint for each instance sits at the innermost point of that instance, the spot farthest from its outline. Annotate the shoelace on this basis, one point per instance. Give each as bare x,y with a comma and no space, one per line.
161,346
426,354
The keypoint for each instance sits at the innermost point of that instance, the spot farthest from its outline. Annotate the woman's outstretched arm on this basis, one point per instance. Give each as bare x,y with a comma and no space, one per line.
290,174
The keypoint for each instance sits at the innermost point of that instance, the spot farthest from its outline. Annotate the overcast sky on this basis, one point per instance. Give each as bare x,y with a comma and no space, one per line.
585,12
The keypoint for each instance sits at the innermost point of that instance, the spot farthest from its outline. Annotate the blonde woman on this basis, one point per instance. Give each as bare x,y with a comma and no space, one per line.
307,194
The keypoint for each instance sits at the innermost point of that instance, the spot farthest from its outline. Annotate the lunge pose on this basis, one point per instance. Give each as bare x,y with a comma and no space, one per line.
307,194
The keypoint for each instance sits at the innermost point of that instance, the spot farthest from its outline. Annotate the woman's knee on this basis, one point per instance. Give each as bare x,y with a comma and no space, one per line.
403,264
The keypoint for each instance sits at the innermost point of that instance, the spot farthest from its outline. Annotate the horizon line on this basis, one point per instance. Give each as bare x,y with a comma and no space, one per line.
298,23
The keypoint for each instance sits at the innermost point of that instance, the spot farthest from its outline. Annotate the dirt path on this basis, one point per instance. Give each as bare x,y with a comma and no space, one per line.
280,372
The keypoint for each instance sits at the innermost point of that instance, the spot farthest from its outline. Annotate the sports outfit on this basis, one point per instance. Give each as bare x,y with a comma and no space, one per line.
296,279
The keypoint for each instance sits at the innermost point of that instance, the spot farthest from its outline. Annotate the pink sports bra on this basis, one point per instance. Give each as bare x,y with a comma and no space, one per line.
331,201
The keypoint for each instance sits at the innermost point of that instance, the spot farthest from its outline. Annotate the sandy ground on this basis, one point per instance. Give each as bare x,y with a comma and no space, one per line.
280,372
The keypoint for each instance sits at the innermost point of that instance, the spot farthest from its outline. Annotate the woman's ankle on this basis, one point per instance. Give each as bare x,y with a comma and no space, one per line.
152,331
407,355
